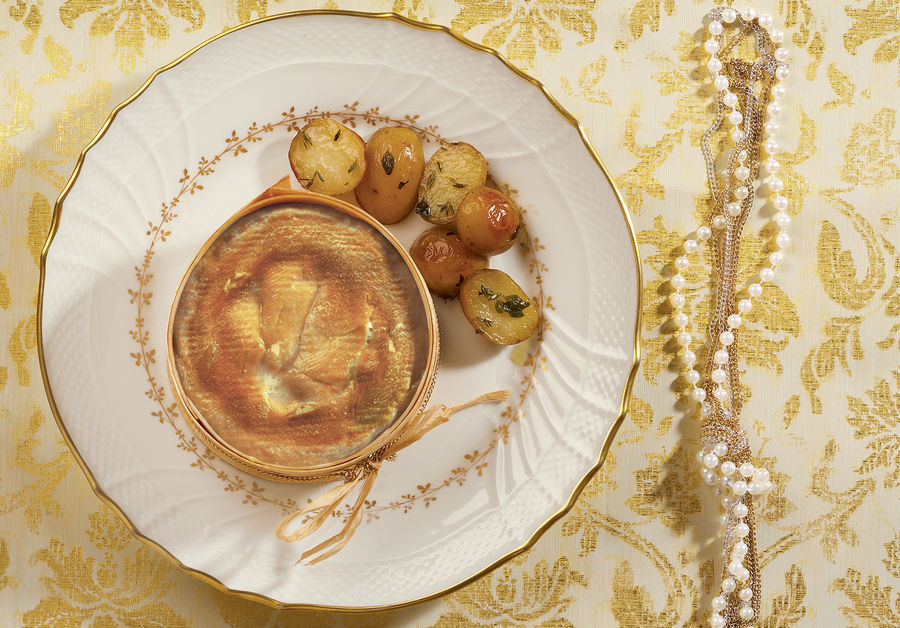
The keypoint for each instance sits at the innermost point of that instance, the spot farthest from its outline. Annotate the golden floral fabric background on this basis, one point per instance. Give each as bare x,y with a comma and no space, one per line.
821,351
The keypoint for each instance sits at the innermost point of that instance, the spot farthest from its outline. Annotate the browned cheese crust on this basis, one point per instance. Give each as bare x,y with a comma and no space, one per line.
300,335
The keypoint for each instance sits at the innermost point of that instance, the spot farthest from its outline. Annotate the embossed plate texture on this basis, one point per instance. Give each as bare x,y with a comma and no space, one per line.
206,135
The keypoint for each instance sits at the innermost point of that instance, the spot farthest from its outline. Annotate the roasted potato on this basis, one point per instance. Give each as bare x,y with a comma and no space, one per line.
497,307
443,261
450,173
327,157
487,221
394,164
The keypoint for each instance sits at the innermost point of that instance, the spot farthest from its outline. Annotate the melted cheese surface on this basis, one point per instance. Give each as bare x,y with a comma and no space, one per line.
300,335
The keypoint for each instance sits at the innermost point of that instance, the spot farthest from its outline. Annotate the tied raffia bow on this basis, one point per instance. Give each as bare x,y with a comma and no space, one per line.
363,477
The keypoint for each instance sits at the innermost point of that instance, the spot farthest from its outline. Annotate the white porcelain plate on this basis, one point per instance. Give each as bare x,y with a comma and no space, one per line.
209,133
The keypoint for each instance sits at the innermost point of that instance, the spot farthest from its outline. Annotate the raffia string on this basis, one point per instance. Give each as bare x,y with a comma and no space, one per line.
363,477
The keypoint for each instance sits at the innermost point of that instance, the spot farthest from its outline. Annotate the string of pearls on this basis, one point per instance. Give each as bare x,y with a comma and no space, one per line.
734,482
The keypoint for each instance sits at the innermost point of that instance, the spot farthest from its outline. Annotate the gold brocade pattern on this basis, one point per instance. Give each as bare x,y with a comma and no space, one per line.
515,596
131,22
125,588
821,347
520,29
37,497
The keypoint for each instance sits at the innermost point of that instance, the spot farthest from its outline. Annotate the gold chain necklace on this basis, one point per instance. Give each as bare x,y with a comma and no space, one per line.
747,97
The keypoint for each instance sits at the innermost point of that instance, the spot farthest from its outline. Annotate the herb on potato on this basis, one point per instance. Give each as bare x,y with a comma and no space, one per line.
331,148
401,184
492,295
387,162
487,292
512,304
307,183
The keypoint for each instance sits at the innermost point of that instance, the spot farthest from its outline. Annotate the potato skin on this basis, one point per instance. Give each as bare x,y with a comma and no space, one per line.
450,173
394,164
487,221
444,261
497,307
327,157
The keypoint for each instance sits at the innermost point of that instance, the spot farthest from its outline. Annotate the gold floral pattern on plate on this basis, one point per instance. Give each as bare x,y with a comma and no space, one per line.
254,493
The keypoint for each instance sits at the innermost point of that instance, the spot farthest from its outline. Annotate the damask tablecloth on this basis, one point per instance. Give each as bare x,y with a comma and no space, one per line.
822,352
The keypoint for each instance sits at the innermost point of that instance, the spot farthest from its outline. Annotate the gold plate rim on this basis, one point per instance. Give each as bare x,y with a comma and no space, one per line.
258,597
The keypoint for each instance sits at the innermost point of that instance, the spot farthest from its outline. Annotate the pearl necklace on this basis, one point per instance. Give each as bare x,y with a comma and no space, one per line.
736,481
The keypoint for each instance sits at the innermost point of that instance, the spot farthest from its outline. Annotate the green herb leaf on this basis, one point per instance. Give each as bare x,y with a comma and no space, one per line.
459,185
401,184
352,167
430,181
513,305
387,162
485,321
440,167
423,209
487,292
306,141
447,208
337,135
307,183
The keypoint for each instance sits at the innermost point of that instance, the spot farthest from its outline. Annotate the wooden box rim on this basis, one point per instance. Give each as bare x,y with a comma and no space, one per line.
194,418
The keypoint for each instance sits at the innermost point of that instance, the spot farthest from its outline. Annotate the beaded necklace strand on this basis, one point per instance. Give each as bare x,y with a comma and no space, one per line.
747,97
